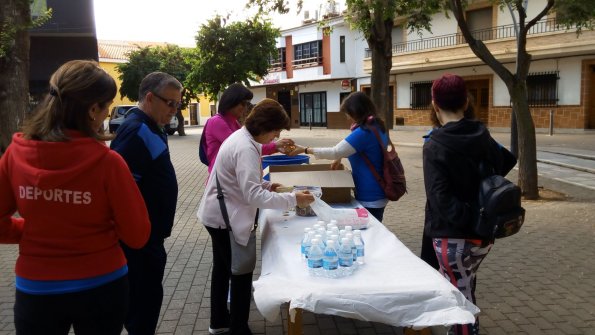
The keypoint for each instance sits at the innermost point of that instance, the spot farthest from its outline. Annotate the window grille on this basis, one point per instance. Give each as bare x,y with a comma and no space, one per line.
421,94
542,89
277,61
306,53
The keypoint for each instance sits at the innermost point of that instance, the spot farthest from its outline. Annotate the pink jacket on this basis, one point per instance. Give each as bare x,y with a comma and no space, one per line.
219,129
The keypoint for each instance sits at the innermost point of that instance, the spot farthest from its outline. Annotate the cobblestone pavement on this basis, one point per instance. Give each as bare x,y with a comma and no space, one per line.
539,281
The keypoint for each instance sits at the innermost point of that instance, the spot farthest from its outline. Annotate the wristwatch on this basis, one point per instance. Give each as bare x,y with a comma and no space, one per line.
306,150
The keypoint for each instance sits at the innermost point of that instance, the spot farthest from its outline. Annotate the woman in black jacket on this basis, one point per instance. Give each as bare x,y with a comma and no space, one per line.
451,159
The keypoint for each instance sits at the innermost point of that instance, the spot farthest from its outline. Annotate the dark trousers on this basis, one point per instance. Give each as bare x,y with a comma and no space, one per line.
428,254
145,272
236,319
378,213
98,311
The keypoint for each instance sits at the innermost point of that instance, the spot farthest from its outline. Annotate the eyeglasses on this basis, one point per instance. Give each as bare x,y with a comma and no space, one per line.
169,103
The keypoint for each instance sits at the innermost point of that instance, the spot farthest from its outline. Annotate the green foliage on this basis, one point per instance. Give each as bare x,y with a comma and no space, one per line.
227,54
361,14
9,30
272,6
169,59
576,13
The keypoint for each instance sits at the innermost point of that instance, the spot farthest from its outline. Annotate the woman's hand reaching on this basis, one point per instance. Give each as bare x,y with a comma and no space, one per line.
304,199
297,149
336,164
285,145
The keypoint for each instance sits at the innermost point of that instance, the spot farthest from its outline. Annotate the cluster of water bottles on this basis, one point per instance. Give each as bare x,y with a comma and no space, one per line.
332,252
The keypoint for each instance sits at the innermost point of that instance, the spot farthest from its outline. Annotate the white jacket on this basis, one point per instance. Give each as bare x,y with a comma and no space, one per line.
238,166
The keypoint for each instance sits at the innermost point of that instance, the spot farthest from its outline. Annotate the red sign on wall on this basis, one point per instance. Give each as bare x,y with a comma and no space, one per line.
345,84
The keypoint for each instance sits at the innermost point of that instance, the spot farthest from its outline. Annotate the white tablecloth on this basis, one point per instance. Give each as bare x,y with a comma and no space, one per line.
394,287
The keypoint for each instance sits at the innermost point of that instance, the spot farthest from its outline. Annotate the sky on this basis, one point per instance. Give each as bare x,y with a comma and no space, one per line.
174,21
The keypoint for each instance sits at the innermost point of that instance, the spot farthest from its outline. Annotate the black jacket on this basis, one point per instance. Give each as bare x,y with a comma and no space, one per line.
451,159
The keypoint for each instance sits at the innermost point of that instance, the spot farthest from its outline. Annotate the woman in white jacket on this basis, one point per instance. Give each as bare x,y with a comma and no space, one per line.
239,171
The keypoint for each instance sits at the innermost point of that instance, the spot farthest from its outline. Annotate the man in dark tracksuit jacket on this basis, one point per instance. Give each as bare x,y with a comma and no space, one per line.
143,144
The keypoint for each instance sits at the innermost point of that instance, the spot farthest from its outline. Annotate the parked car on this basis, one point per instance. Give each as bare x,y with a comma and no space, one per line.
172,127
117,116
120,112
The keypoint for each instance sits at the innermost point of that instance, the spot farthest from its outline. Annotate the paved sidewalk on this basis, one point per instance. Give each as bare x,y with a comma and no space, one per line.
539,281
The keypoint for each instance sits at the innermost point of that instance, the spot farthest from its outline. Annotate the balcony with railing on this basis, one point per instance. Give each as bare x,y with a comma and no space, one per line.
546,39
276,66
306,62
495,33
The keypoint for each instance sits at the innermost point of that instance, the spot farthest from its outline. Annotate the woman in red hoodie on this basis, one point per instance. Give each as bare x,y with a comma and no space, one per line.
76,200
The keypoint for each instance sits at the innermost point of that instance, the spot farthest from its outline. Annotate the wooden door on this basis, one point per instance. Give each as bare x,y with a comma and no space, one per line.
479,98
590,103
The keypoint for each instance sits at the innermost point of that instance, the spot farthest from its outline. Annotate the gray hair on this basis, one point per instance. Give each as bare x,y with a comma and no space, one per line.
156,82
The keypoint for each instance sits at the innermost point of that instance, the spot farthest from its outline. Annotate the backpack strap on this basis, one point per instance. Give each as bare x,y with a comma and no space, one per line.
377,176
222,206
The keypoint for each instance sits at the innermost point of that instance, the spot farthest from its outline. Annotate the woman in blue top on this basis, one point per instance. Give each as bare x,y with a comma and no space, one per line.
360,109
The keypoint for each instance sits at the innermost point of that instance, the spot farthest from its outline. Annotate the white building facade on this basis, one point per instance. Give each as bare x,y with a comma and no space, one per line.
315,70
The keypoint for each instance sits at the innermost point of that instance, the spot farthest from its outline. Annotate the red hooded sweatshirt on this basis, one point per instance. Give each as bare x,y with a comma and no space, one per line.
77,199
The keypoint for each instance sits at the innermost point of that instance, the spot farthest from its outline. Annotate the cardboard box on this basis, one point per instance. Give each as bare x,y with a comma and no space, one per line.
336,184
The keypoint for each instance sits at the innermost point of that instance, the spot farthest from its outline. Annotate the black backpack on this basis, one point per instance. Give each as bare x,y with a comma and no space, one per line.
499,200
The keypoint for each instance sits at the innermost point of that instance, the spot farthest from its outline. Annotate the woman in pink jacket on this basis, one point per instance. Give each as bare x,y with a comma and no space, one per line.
234,103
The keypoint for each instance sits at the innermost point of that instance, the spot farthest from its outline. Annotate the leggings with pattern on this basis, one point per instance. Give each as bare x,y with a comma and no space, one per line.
459,260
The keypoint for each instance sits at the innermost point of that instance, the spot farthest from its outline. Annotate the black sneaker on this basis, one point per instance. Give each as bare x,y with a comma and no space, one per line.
215,331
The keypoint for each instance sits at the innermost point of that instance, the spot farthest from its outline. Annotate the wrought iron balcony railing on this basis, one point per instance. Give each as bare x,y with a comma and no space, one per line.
304,62
499,32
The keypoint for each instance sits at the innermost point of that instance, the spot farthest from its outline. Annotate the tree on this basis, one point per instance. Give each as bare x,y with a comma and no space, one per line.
578,14
170,59
231,53
15,20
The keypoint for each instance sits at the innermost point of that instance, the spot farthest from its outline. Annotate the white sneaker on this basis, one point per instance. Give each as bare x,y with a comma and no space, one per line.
218,330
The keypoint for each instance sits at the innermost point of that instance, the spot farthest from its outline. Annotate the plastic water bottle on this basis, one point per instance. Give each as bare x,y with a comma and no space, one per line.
319,238
304,242
349,237
315,258
321,223
335,239
330,260
359,246
335,230
348,229
328,234
307,243
334,222
345,257
322,232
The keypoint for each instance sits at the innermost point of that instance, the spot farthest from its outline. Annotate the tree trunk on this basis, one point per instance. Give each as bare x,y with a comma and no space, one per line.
181,131
526,140
14,70
379,82
380,42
